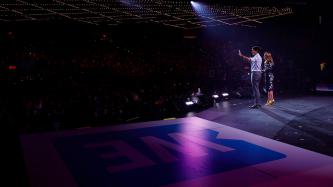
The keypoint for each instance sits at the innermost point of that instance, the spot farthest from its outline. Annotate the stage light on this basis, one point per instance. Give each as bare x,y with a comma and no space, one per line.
169,118
189,103
12,67
225,94
195,5
215,96
190,114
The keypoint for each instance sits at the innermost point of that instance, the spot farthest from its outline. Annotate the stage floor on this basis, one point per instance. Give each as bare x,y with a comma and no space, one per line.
189,151
303,121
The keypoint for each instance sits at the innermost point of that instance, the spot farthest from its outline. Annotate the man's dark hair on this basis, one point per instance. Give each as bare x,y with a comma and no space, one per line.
256,48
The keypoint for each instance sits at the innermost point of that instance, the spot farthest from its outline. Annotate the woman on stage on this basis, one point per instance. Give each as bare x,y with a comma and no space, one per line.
269,77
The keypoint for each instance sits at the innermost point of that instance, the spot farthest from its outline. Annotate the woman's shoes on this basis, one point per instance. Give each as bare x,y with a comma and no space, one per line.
270,102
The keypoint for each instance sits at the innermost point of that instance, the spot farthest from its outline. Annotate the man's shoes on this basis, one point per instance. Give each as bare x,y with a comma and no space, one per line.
255,106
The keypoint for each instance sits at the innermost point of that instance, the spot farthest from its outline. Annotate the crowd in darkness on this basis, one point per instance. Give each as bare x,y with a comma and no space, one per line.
100,80
103,82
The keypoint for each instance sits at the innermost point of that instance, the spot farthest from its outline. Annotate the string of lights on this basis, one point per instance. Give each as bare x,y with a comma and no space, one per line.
180,14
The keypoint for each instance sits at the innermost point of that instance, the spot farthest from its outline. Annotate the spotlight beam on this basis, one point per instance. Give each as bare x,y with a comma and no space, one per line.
210,18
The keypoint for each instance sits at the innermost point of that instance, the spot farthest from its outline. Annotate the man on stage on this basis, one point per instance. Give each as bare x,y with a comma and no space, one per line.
256,62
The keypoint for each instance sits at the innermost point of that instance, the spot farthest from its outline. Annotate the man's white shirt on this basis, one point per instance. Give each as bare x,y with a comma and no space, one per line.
256,62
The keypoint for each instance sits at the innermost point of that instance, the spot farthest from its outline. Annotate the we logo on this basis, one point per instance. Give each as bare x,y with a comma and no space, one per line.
156,156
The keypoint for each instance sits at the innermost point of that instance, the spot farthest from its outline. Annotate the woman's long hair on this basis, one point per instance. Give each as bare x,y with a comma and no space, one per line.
268,57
